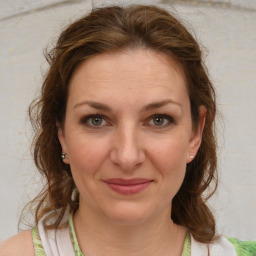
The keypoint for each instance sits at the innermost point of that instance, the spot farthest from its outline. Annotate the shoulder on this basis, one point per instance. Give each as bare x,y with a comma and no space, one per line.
20,244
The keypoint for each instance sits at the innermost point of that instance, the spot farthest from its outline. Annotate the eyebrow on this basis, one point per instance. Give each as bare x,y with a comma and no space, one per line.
159,104
153,105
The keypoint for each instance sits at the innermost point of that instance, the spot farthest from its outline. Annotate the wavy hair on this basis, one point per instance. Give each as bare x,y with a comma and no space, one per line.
113,29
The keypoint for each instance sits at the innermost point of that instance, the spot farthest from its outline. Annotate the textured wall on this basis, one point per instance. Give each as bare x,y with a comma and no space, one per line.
227,29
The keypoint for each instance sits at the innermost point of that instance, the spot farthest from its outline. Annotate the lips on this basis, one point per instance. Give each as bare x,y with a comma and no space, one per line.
128,186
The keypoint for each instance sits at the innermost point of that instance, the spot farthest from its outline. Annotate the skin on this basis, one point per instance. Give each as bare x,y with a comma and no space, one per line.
20,244
127,142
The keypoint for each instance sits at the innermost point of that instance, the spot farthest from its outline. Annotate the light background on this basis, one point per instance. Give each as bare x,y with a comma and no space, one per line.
226,28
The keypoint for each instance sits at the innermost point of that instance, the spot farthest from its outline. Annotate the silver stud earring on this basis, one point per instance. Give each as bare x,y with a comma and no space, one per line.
191,156
64,156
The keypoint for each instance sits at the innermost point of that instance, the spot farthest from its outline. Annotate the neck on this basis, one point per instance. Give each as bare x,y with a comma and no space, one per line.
156,236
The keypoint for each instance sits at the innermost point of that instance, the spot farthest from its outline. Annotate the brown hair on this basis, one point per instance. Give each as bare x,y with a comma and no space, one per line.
111,29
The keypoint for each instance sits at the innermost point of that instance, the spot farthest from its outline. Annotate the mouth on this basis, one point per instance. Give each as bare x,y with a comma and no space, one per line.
128,186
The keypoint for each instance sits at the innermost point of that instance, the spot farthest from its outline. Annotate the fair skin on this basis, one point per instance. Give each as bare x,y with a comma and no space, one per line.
128,118
111,132
20,244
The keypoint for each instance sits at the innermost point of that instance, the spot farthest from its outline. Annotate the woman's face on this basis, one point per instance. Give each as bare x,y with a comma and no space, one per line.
128,134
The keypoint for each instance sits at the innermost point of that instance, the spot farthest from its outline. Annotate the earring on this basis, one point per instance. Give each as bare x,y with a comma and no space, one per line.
191,156
64,156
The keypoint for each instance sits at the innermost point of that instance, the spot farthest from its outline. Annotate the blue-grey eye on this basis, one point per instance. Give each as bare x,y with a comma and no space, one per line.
96,121
159,121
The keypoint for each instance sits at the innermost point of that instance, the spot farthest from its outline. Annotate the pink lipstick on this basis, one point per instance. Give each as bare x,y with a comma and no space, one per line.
128,187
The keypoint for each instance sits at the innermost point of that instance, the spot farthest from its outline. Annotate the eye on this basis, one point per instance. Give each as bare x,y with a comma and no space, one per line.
160,120
94,121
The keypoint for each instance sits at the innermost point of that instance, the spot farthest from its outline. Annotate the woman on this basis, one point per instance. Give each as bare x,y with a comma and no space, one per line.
125,139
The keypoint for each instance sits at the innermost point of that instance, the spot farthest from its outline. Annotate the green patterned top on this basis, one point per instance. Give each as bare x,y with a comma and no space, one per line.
242,248
76,247
39,250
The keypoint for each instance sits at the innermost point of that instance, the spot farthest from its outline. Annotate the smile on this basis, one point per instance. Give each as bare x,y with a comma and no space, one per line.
128,187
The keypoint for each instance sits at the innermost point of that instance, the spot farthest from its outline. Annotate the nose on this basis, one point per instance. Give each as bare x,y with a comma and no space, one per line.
127,150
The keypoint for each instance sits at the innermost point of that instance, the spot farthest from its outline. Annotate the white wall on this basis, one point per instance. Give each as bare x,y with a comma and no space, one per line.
227,29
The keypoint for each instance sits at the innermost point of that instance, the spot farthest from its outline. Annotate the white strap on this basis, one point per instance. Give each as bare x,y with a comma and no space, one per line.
56,243
222,247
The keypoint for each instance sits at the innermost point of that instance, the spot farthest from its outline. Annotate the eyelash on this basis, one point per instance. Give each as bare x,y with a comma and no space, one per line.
85,120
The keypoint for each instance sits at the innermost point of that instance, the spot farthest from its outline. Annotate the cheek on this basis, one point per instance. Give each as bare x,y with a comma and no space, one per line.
87,154
169,158
86,158
171,154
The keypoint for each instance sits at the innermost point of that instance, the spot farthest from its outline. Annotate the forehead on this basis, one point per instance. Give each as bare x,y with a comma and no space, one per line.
132,73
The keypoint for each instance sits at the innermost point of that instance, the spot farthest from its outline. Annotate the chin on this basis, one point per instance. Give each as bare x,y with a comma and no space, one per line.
127,214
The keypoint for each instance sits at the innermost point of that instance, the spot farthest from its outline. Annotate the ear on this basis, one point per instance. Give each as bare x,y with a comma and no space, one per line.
62,141
196,136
